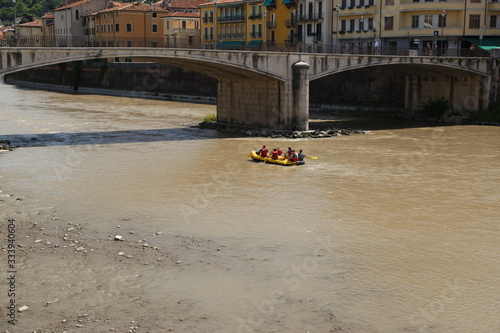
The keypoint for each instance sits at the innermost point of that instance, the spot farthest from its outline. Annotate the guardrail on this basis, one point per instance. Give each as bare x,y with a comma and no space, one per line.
295,45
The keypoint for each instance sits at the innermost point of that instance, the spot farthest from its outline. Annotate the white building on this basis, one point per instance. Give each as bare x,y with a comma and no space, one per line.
69,21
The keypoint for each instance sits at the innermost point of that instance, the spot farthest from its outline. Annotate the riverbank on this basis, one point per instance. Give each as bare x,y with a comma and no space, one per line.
103,274
114,92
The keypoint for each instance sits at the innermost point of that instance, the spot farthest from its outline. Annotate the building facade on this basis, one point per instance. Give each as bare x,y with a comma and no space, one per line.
127,25
30,34
181,29
416,27
69,21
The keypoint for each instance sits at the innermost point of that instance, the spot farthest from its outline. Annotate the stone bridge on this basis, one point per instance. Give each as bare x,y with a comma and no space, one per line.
271,89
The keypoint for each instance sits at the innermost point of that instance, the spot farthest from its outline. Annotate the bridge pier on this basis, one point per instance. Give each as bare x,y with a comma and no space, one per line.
262,103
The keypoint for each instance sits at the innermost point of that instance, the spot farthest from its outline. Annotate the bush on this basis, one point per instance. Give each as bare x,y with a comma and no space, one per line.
435,107
210,118
489,115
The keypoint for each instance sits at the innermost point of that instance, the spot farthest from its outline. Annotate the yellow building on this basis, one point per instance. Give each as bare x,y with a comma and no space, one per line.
281,23
267,24
408,26
233,24
181,29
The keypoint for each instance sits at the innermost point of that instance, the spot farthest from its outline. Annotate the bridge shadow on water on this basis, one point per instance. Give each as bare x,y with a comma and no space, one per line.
327,120
188,133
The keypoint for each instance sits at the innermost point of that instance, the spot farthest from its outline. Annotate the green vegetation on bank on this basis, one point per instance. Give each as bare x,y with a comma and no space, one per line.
489,116
210,118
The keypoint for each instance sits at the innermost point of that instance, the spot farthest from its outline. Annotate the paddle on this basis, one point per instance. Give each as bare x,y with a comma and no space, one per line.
312,157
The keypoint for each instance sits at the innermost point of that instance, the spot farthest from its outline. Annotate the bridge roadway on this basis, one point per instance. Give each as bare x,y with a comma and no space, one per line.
271,89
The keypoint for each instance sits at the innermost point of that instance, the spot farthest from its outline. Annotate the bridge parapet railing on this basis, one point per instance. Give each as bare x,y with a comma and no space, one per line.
194,43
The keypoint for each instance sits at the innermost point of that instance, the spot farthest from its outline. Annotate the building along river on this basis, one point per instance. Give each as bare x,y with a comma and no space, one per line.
393,231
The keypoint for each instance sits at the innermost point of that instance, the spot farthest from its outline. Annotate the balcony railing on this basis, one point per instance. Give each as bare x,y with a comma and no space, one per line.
311,17
290,23
232,18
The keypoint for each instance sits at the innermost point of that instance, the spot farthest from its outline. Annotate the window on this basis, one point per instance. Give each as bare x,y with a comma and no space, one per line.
154,44
190,40
389,23
474,21
129,43
77,15
352,24
476,1
428,21
184,25
370,23
154,15
155,28
206,34
129,27
415,21
309,29
493,21
389,2
343,25
117,27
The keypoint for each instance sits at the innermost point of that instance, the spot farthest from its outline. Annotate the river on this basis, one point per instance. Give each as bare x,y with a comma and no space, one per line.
396,230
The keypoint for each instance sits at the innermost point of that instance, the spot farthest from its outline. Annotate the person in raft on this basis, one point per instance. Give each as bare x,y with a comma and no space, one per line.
274,154
301,155
263,151
279,151
288,154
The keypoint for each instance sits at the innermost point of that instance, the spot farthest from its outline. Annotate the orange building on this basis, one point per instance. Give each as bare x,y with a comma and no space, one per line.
127,25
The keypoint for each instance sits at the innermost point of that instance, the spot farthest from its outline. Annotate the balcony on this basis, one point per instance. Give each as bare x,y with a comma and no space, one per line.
207,19
271,24
255,17
232,18
290,23
311,17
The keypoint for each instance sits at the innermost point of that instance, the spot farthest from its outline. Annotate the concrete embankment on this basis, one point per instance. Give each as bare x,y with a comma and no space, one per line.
115,92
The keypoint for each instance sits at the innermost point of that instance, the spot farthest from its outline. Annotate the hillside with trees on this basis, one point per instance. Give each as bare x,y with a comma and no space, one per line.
26,9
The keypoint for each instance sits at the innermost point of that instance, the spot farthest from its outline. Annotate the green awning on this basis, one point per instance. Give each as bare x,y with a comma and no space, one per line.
287,2
269,2
487,43
254,43
228,44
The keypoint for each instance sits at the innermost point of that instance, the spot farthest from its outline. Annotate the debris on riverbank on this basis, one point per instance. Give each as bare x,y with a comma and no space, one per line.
318,133
5,145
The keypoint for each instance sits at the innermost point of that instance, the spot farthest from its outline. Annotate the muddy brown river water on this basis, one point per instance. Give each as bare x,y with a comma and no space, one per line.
393,231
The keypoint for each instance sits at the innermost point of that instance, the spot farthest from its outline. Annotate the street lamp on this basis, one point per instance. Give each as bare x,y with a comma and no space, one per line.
337,9
15,23
443,17
66,17
361,20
